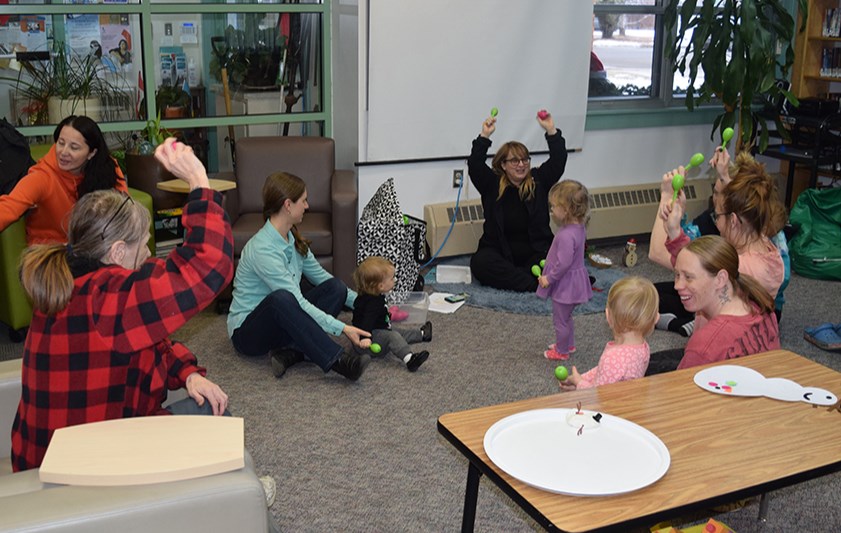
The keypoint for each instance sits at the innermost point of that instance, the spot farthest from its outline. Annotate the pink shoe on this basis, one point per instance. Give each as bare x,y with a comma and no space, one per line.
554,355
570,351
397,315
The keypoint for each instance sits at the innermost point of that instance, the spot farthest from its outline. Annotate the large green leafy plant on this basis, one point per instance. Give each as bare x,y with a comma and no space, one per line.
734,43
64,75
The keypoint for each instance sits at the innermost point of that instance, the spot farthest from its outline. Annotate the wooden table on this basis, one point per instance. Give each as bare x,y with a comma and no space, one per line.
181,186
722,448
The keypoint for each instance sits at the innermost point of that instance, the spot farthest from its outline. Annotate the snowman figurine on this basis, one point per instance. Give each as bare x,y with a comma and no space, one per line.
629,258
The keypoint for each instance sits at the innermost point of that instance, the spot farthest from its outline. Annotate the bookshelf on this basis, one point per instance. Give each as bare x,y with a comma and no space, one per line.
812,157
817,63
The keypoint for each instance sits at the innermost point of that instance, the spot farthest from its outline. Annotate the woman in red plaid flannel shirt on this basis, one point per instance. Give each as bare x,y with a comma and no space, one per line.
98,345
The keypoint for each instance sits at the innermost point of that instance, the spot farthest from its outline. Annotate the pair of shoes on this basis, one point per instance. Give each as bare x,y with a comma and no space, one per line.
426,332
283,359
397,314
554,355
569,352
417,360
826,336
351,365
270,488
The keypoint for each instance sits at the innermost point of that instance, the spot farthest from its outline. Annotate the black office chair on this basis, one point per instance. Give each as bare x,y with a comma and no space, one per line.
812,138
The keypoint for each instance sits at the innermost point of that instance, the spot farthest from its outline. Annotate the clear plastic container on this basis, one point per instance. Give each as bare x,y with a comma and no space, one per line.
416,305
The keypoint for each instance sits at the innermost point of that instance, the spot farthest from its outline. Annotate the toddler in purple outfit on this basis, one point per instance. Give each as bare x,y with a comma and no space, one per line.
565,278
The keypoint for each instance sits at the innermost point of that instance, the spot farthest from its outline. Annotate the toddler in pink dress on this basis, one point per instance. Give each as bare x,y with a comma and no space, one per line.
631,313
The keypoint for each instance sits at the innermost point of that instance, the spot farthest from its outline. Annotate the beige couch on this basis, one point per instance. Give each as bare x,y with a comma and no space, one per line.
233,501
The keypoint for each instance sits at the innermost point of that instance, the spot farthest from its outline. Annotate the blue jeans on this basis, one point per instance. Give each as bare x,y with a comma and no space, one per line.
279,322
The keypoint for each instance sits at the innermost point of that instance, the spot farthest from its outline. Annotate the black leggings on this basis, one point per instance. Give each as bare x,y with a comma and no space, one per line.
664,361
491,268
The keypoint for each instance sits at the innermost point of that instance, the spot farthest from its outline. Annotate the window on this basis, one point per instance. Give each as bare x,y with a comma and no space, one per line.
628,62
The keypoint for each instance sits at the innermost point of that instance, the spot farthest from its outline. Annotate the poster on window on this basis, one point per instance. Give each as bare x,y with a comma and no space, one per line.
22,33
116,40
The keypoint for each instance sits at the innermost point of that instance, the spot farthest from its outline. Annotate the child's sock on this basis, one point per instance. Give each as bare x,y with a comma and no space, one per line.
663,321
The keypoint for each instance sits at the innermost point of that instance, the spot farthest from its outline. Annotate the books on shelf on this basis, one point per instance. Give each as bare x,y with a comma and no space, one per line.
831,63
832,23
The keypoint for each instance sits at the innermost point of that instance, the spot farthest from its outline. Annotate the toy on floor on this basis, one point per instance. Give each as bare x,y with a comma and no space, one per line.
397,314
629,257
599,261
712,526
726,135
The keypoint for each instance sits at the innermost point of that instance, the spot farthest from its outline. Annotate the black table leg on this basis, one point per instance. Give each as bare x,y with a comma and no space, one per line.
471,495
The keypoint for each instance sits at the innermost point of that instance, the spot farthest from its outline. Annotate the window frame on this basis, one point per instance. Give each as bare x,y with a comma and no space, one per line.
662,109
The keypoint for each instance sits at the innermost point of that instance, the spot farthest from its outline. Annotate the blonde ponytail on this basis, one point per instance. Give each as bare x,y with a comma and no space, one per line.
46,277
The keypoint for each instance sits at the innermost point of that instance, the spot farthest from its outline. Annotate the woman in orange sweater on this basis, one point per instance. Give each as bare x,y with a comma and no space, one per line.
79,162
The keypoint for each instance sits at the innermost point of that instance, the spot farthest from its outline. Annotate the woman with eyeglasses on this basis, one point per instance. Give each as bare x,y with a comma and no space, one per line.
98,347
515,200
79,162
746,212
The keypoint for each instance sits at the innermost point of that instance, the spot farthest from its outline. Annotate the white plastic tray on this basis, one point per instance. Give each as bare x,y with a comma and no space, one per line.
542,449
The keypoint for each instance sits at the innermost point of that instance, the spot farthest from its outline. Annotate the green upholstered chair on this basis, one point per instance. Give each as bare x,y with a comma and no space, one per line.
15,309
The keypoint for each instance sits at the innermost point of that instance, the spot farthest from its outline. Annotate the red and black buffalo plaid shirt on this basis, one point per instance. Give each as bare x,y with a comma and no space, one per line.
107,354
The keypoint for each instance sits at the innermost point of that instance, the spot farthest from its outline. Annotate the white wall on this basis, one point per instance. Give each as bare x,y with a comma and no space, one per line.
609,157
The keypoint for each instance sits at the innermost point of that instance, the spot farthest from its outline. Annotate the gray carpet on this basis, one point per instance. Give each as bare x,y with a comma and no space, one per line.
367,456
520,302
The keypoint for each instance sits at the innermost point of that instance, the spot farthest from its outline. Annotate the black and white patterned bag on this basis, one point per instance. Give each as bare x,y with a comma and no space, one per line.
384,231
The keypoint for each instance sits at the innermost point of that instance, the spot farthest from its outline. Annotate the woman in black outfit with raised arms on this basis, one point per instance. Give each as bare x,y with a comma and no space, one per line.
516,233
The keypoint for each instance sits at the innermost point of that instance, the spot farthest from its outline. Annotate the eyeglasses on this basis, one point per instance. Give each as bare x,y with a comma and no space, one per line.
117,212
516,161
715,216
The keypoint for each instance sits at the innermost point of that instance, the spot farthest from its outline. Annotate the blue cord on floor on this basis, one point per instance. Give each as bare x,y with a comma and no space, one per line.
452,224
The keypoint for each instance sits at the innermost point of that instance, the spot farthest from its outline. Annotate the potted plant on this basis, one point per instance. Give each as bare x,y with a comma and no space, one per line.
172,101
59,83
734,43
142,170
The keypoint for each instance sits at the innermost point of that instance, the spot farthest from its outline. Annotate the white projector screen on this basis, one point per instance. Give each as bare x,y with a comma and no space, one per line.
433,70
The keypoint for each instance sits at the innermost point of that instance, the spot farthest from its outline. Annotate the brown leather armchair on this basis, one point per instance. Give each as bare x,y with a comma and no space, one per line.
330,222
